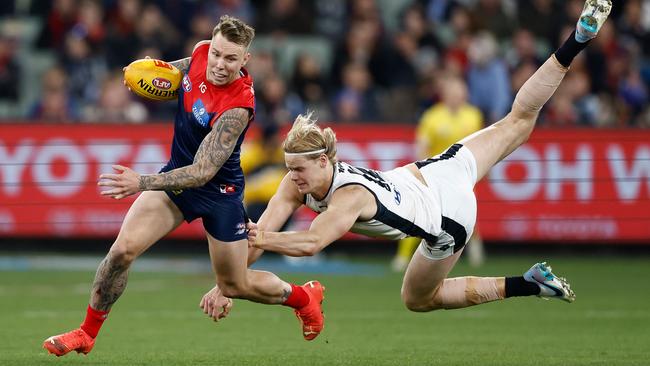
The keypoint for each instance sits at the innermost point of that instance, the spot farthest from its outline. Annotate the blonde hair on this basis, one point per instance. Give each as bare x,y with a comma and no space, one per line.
306,136
234,30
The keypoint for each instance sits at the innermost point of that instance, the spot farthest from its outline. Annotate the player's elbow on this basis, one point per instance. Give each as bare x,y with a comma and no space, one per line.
203,180
312,246
309,250
203,175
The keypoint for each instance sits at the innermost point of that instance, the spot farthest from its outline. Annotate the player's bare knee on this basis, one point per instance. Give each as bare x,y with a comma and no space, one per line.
415,305
121,255
515,130
418,304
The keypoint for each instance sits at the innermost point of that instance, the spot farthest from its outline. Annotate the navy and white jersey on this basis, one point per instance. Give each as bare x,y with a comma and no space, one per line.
200,104
405,206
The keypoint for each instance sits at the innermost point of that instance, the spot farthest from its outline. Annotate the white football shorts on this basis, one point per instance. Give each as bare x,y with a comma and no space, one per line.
451,176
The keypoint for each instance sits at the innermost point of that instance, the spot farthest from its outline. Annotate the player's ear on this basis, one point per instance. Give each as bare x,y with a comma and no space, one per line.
323,160
247,57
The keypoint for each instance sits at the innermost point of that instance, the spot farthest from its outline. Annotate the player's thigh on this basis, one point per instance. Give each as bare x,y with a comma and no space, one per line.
229,261
152,216
495,142
424,275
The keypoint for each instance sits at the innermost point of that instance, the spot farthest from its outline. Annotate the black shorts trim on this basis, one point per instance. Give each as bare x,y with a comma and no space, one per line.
450,153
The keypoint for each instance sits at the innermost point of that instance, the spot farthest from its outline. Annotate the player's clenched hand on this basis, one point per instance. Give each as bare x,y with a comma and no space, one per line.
215,305
251,229
125,183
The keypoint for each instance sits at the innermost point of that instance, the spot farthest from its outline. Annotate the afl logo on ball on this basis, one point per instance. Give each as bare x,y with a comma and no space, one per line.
161,83
187,84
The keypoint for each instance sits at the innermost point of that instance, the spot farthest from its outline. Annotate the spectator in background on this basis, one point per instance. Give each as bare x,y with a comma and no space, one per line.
520,73
241,9
417,48
523,49
438,11
586,105
634,94
442,125
634,24
274,104
54,105
365,45
399,100
488,78
200,26
490,15
364,10
115,104
415,26
283,17
10,69
121,42
420,48
559,111
457,37
179,11
154,30
329,18
310,85
91,20
60,19
262,67
357,100
543,18
85,67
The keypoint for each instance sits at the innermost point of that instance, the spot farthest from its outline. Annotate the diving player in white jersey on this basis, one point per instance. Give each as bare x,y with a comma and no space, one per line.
432,199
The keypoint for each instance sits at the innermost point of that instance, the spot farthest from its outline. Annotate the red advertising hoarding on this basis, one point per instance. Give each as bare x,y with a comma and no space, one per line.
563,185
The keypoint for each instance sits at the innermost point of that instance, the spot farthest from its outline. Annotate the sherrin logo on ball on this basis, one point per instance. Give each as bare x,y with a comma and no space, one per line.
153,79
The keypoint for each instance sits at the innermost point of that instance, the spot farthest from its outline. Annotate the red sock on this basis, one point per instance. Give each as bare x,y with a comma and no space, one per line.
298,298
94,320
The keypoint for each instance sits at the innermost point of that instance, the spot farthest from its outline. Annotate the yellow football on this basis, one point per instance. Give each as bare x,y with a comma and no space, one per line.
153,79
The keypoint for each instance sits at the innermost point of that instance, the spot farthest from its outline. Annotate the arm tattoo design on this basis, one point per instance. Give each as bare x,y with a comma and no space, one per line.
213,152
182,64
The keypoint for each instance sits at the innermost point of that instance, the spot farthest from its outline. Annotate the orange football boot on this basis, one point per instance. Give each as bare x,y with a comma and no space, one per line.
75,340
311,315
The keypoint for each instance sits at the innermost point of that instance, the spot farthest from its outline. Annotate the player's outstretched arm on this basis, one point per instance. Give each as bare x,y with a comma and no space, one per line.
282,205
213,152
343,210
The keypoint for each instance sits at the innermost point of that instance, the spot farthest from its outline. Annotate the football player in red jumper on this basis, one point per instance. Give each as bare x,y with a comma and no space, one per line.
203,178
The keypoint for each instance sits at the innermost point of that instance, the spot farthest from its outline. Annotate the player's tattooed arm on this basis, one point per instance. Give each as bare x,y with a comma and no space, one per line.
213,152
182,64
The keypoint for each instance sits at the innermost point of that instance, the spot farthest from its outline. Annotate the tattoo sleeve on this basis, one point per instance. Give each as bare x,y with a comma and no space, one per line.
182,64
214,151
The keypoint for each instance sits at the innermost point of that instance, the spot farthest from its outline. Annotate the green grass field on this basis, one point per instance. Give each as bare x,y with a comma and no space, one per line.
158,322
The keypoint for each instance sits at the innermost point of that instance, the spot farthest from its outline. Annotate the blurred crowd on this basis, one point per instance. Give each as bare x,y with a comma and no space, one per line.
363,60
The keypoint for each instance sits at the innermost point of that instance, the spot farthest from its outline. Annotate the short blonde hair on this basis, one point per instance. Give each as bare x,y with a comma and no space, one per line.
234,30
305,136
